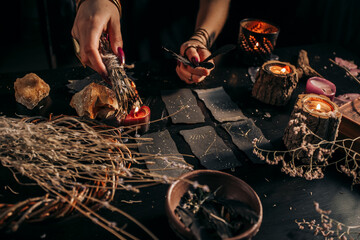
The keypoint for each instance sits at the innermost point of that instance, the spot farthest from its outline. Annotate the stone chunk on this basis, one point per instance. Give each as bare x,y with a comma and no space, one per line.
94,101
30,90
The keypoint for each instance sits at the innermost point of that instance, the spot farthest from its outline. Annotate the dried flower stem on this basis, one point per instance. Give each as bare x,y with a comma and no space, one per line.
318,155
328,227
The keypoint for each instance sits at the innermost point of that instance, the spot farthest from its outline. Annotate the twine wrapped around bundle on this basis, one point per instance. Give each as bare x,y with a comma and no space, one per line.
124,88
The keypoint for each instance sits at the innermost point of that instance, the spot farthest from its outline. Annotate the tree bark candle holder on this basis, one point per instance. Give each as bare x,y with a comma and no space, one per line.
316,113
256,41
275,83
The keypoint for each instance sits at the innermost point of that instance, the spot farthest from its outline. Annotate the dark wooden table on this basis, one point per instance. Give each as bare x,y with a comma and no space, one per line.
284,198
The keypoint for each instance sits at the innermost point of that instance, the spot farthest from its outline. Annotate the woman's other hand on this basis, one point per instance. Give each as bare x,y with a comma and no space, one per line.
195,52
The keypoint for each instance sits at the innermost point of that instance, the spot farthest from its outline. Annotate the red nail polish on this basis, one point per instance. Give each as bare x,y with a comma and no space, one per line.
195,61
121,55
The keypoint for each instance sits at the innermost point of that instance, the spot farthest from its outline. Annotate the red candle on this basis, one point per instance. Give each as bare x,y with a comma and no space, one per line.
321,86
138,116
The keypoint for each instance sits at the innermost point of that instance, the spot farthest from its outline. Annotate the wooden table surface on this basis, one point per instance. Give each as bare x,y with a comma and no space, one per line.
284,198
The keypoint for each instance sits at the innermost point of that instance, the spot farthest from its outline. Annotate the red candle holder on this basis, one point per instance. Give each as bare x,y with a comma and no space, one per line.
139,117
321,86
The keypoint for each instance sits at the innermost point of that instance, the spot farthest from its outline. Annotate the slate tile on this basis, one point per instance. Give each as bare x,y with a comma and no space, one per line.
167,160
209,148
177,99
243,133
220,104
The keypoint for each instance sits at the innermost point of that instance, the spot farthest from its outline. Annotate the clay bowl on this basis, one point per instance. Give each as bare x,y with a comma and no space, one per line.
232,188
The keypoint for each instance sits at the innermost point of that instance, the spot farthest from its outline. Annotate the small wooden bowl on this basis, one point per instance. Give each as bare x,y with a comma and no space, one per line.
232,188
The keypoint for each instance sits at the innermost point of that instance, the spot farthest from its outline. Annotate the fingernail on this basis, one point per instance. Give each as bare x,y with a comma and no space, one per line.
121,55
195,61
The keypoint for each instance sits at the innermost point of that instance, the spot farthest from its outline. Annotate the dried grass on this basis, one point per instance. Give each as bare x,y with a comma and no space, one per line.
78,163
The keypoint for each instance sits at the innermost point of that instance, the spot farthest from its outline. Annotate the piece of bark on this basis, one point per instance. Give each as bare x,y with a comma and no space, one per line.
243,133
95,101
30,90
220,104
325,125
274,89
182,106
304,68
166,158
210,149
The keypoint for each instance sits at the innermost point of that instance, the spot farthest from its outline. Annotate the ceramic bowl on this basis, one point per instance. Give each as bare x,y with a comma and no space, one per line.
232,188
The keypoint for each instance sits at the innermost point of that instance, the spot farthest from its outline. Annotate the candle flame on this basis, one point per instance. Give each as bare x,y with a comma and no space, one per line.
136,109
283,70
318,107
257,44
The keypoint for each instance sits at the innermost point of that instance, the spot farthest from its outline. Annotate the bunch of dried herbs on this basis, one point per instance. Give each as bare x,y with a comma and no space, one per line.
211,216
79,165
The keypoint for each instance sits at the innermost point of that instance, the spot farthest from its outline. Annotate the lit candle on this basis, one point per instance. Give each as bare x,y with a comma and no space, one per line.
259,26
256,40
318,105
321,86
138,116
280,69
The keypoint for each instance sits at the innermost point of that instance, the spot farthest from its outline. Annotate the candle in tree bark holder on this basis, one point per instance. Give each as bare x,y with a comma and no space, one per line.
321,86
257,40
313,119
275,83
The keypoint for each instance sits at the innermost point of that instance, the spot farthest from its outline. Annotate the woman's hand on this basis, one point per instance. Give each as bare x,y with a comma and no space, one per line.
195,52
92,19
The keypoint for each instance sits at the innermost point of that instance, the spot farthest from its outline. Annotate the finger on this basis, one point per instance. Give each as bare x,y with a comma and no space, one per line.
203,53
186,71
192,55
197,71
114,31
187,76
182,75
89,45
196,78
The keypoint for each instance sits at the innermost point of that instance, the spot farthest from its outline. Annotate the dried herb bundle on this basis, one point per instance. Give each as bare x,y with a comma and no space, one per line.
122,85
79,164
209,216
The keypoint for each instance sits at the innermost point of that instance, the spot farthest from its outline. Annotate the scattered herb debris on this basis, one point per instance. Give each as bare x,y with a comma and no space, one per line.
210,216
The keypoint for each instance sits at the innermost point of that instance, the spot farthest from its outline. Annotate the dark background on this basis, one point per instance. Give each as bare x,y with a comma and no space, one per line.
35,34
